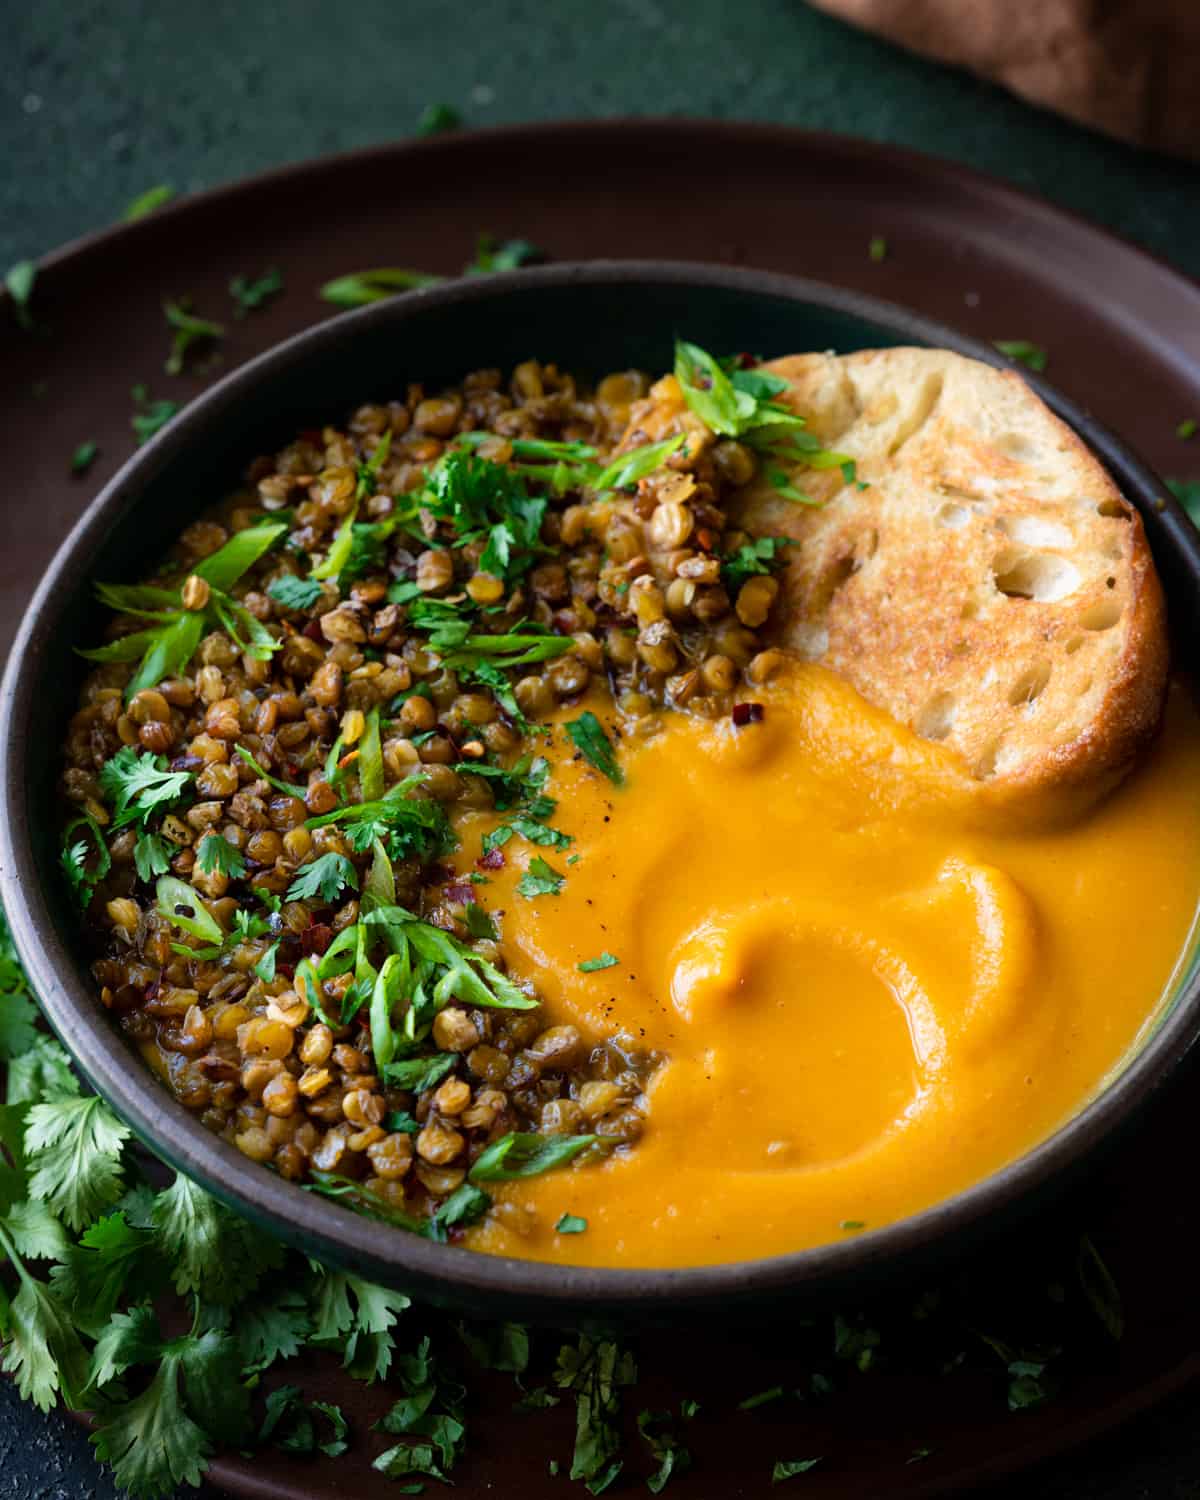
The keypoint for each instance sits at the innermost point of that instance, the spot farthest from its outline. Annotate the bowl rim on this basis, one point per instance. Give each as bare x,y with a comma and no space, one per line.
379,1250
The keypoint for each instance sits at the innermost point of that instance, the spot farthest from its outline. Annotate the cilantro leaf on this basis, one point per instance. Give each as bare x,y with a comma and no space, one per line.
42,1072
138,784
151,416
84,456
295,593
525,1155
419,1073
151,856
363,1332
788,1468
595,1372
1032,356
250,295
212,1252
606,960
1187,492
147,202
751,559
150,1442
218,856
93,1275
497,1346
44,1351
540,879
18,282
78,1144
325,878
435,118
877,248
657,1428
570,1224
82,877
187,330
35,1231
272,1327
589,738
509,255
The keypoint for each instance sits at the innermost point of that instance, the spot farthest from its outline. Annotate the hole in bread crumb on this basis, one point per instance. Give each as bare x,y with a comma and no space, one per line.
1102,615
1117,509
985,766
1036,531
1074,644
1032,575
953,516
1029,684
936,718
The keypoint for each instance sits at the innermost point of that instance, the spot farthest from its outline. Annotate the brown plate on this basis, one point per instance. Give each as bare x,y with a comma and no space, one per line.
1124,338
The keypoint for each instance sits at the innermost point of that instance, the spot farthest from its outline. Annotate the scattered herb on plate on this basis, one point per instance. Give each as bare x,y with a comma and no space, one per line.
148,202
249,294
1032,356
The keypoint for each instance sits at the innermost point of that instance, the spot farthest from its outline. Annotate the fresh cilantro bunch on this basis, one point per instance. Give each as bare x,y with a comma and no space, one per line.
169,642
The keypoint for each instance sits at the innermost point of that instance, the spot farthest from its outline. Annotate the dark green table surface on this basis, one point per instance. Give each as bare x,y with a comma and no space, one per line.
100,101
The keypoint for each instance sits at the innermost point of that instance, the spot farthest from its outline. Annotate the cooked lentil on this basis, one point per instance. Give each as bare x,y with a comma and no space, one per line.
314,683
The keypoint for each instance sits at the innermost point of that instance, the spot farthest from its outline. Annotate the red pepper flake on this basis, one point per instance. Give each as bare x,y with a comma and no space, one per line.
316,938
745,361
492,860
747,713
285,971
313,631
707,539
460,891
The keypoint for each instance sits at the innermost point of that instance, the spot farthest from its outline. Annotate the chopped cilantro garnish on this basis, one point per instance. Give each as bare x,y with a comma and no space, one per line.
788,1468
84,456
151,856
540,879
187,331
1187,492
1032,356
137,784
589,738
18,282
509,255
216,855
85,867
1186,428
570,1224
418,1073
657,1429
147,202
593,965
878,248
325,878
249,295
150,417
434,119
479,923
295,593
750,559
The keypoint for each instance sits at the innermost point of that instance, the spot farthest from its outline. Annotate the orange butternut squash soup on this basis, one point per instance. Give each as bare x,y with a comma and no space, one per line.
869,985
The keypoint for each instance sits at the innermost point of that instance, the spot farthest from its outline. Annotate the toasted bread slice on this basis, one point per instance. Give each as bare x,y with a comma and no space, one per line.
990,587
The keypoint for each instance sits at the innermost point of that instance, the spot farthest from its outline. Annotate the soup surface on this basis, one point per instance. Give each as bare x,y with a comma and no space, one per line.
872,986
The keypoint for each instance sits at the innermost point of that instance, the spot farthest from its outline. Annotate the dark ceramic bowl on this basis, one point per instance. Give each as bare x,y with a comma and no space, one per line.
591,318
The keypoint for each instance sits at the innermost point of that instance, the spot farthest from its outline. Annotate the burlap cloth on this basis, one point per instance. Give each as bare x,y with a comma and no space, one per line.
1130,68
